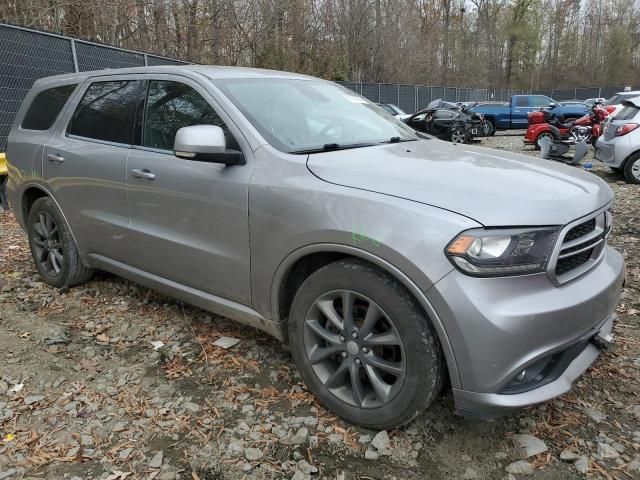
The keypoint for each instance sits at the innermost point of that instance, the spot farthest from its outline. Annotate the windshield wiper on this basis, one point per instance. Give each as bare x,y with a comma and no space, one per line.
330,147
399,139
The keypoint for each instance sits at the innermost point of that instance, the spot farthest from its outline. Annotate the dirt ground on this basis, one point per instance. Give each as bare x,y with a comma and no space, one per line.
85,393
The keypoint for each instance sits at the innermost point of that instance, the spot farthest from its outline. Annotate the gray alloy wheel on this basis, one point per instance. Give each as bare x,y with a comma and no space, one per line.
354,349
47,244
632,169
363,346
458,136
52,246
548,135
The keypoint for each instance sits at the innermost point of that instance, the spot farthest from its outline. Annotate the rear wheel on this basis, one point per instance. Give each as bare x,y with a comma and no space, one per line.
52,246
548,135
631,169
363,346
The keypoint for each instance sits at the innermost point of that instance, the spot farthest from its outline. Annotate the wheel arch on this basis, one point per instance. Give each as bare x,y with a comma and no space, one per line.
30,194
303,262
629,157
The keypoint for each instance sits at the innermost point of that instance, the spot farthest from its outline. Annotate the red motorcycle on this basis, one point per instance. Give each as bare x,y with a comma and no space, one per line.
543,124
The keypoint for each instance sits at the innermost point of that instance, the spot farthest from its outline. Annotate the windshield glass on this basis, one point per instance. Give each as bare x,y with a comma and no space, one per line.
299,115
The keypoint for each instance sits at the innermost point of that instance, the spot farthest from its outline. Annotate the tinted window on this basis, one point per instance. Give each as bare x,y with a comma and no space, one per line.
522,101
106,112
619,97
173,105
628,112
46,106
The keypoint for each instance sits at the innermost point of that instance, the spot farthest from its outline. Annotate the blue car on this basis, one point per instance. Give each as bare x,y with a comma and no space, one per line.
513,115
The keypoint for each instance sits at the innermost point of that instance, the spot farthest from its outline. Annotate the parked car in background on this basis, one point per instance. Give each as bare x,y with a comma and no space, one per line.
617,100
590,102
619,145
394,110
513,114
447,121
392,263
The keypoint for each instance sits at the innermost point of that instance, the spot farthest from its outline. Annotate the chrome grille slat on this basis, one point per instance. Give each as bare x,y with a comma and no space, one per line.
576,252
581,240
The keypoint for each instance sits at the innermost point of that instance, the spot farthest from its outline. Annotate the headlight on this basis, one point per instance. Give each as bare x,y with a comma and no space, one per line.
500,252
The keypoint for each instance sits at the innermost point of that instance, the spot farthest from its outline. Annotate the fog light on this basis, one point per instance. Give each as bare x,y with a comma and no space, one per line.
521,376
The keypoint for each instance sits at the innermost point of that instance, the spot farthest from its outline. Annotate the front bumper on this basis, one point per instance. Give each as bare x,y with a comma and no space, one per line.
488,405
499,327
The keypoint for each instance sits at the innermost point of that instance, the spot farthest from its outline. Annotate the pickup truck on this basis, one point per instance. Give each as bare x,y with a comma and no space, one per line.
504,116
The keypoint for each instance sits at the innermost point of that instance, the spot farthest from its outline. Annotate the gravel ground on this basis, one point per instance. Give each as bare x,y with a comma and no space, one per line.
113,381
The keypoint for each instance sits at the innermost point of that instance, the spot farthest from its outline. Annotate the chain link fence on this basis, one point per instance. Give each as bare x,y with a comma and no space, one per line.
412,98
26,55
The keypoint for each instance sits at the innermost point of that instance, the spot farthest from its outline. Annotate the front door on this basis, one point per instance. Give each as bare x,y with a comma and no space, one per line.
84,164
189,219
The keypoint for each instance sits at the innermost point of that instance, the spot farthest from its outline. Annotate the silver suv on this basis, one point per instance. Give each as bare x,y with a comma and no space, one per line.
389,261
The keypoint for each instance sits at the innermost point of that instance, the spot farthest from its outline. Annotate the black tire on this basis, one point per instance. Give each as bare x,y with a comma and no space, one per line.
536,145
488,128
53,249
421,354
631,169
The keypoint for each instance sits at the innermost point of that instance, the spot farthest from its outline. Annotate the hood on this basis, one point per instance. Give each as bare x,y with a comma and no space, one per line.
493,187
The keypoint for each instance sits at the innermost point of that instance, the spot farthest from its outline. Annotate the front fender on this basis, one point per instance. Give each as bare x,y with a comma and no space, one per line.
286,265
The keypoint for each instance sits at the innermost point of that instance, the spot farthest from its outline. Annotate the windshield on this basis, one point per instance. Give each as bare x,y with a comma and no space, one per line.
301,115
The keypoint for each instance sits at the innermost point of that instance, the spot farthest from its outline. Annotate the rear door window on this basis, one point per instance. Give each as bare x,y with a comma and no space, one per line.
106,112
172,105
540,101
522,101
46,107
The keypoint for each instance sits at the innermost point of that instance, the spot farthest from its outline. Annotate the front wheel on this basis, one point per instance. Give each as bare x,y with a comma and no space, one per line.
632,169
458,135
52,246
488,129
363,346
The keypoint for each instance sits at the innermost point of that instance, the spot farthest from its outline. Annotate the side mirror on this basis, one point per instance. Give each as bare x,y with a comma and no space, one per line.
553,105
204,143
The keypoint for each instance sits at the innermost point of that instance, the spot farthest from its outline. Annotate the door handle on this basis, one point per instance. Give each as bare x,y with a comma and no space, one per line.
144,173
55,158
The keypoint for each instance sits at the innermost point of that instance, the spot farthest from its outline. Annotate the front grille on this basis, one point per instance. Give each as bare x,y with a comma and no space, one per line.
580,230
580,245
567,264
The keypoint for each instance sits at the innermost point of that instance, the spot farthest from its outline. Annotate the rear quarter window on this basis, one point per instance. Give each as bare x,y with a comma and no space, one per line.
629,112
46,107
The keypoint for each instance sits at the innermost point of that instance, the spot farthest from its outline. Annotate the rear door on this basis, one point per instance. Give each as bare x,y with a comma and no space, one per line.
84,163
189,219
521,106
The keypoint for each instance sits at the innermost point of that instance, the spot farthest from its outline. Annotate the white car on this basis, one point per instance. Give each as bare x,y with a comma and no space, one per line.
617,99
619,145
394,110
